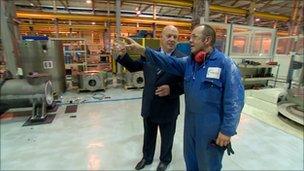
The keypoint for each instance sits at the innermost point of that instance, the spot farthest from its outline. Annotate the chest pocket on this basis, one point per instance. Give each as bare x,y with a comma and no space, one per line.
212,90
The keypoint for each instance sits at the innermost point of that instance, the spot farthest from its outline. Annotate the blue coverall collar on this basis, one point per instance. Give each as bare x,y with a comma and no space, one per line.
210,54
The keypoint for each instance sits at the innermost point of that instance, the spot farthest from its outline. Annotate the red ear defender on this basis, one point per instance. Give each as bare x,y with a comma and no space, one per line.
200,57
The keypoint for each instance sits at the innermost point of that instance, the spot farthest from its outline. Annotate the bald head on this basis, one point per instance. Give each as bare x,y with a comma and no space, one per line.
169,38
168,29
202,38
207,30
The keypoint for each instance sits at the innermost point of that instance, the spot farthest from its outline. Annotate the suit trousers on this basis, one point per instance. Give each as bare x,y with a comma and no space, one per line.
167,131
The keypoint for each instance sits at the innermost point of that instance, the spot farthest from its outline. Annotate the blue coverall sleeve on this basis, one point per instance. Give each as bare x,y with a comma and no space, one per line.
169,64
233,99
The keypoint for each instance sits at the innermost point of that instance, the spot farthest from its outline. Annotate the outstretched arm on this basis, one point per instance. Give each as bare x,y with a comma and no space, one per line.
121,56
167,63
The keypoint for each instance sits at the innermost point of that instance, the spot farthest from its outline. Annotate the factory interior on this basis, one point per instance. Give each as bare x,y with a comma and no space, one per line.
66,104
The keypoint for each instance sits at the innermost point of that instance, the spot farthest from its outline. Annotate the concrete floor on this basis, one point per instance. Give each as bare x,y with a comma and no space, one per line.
108,135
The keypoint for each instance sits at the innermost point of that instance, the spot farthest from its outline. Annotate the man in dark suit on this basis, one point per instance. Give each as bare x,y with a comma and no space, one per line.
160,103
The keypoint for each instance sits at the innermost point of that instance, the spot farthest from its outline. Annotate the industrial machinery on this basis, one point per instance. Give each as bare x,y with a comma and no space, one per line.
291,103
92,81
35,91
41,55
256,74
134,80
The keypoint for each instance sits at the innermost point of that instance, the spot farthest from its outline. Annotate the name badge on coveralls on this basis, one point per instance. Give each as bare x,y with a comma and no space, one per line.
213,72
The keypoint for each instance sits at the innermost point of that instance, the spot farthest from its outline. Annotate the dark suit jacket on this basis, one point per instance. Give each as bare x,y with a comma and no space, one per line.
158,109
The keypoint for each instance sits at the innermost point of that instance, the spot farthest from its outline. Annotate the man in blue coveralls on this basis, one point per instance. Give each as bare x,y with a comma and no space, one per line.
214,96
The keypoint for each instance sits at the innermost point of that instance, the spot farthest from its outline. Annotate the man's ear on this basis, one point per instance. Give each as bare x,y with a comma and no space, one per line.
208,40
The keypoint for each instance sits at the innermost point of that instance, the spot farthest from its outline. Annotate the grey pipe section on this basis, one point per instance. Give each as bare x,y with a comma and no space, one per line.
19,93
21,87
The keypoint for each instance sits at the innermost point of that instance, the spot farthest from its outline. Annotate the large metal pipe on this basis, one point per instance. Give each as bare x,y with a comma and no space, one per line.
15,87
19,93
32,92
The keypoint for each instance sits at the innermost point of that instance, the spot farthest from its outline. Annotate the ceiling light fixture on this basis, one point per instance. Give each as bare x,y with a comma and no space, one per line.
88,1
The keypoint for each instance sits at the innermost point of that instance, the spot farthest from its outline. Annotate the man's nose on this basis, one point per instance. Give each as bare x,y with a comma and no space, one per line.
190,40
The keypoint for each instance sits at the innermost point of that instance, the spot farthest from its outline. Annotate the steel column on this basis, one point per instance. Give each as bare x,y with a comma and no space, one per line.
10,36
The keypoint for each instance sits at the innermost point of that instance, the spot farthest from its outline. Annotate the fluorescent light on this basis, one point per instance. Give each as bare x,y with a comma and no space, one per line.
88,1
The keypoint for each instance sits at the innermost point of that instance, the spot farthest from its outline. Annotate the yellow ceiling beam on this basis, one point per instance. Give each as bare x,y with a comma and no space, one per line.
52,26
78,17
52,16
81,26
243,12
40,27
228,10
169,3
183,3
268,16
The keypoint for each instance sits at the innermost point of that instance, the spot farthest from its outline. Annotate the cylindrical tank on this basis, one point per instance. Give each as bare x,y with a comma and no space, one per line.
31,56
45,57
55,54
